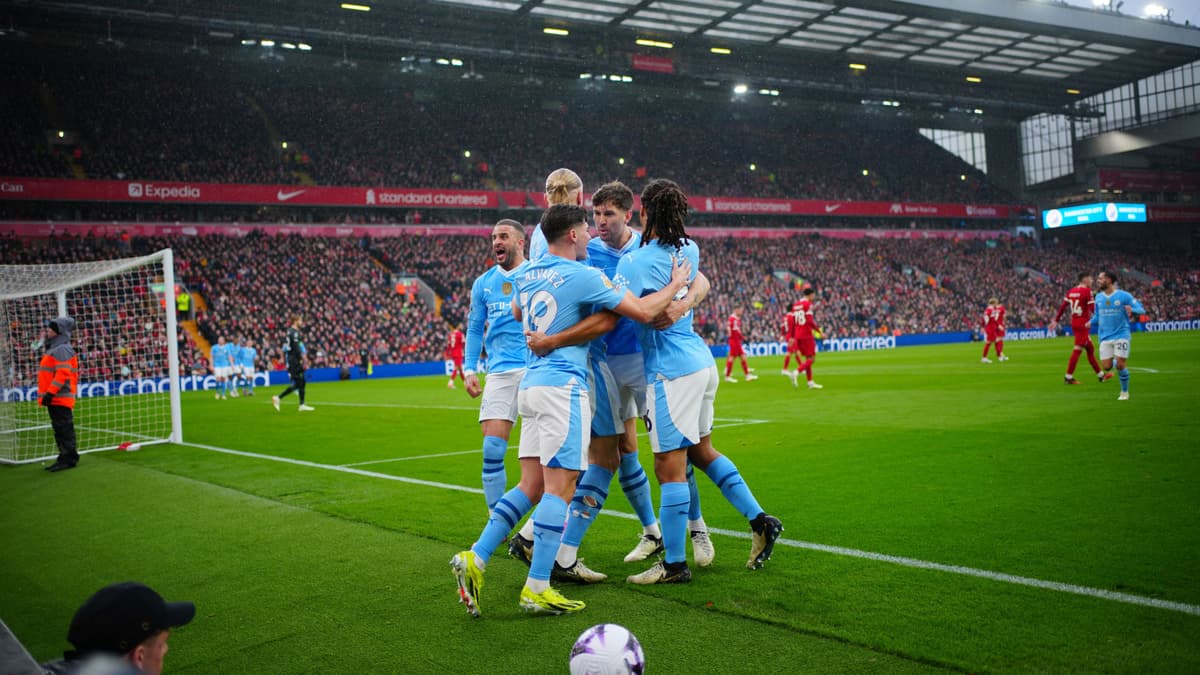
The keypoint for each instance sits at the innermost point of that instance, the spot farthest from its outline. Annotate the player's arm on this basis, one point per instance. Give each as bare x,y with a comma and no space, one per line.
1134,307
644,309
1061,308
476,319
590,328
697,291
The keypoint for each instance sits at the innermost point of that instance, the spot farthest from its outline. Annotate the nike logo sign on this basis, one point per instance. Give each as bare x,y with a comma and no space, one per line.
830,208
284,196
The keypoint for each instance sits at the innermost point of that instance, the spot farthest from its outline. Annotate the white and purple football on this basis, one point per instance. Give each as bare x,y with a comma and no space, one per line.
607,649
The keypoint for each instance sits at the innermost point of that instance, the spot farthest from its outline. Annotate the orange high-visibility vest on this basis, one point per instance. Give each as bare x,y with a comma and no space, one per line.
60,378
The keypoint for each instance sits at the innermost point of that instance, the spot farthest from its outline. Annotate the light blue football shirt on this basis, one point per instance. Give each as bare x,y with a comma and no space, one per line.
538,247
1110,316
247,356
676,350
622,339
503,337
554,294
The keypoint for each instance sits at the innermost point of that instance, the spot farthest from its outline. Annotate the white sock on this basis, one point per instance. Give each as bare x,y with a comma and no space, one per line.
536,585
652,530
527,529
479,562
697,525
566,555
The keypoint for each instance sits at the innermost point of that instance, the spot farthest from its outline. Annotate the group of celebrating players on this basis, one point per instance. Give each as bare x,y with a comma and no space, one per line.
581,340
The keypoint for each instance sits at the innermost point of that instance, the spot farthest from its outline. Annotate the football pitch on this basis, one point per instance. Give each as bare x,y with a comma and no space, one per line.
940,514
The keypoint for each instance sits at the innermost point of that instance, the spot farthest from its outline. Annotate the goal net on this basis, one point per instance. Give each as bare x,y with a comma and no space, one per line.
125,338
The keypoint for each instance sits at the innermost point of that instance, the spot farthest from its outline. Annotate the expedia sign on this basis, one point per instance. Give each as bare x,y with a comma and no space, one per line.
161,192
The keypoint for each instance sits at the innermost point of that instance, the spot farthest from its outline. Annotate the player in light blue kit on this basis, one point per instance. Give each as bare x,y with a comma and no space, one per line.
491,325
221,368
1114,310
682,381
553,294
563,186
246,358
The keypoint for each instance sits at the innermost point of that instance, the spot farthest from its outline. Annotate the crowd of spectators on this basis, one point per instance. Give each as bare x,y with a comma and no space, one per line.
176,123
345,288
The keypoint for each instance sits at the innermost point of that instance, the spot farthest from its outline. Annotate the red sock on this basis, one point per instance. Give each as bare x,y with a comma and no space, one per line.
808,369
745,368
1091,352
786,359
986,347
999,348
1074,360
728,367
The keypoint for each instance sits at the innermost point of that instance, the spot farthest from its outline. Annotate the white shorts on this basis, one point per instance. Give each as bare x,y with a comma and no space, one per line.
222,371
1118,348
629,371
500,395
680,411
606,404
554,425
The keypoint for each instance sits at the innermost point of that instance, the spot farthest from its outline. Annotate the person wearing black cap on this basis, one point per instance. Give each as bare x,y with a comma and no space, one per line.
129,621
58,377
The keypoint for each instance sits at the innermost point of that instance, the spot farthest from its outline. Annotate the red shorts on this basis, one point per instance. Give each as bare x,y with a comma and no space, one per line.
994,335
806,345
456,358
736,348
1082,335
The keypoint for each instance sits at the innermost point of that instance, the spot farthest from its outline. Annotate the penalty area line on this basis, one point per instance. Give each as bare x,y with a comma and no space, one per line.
1099,593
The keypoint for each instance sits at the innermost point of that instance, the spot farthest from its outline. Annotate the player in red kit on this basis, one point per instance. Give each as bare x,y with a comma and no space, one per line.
1082,303
993,330
789,324
454,351
805,333
736,349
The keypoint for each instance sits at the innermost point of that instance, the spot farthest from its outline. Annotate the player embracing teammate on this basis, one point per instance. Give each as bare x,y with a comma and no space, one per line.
801,332
993,330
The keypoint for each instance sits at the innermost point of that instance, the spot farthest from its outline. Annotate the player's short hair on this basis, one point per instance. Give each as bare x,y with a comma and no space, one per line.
1082,276
993,301
809,290
560,184
1112,276
509,222
559,219
666,210
616,193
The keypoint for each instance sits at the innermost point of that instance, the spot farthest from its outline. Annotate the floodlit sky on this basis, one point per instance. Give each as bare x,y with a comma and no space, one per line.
1183,10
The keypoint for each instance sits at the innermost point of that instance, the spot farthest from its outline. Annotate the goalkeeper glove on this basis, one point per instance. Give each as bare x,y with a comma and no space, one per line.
818,334
47,398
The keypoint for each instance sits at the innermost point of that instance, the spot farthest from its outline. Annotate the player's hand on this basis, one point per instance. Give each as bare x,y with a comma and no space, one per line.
472,384
817,334
539,343
671,314
47,398
681,272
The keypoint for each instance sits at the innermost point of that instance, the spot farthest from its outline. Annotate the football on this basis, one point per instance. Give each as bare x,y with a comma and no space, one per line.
607,649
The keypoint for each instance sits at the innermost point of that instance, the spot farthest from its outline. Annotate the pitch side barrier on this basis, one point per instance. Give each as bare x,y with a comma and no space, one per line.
264,378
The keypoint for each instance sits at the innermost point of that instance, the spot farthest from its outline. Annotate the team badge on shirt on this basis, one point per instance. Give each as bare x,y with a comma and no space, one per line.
506,287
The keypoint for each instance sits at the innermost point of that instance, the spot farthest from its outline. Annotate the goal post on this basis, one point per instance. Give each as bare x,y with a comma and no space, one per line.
125,337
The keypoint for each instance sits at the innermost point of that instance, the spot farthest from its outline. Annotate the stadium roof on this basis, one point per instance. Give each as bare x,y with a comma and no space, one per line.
1016,57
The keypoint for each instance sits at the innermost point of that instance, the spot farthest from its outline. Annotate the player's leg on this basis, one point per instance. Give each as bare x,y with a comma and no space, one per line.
301,387
1091,353
1000,349
986,346
702,548
1121,356
629,372
672,410
1070,376
497,414
729,368
563,439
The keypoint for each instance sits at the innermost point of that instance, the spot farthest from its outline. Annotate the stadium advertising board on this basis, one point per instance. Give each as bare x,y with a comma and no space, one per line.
1148,180
59,189
1102,212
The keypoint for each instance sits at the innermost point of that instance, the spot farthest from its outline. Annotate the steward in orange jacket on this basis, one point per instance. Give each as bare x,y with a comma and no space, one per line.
58,381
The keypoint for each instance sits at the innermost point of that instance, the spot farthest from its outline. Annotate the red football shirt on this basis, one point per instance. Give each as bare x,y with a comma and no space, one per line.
1081,302
993,318
735,328
457,342
803,322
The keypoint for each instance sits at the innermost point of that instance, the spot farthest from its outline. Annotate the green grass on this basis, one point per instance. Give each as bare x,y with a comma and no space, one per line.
920,453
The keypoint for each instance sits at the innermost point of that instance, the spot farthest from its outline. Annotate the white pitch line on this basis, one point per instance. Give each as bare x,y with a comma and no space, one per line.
1127,598
396,405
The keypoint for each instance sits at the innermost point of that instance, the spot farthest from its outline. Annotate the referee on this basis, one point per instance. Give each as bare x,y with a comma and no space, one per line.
294,352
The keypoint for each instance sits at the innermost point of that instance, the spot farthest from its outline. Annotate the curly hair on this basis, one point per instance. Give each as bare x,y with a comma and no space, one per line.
666,209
